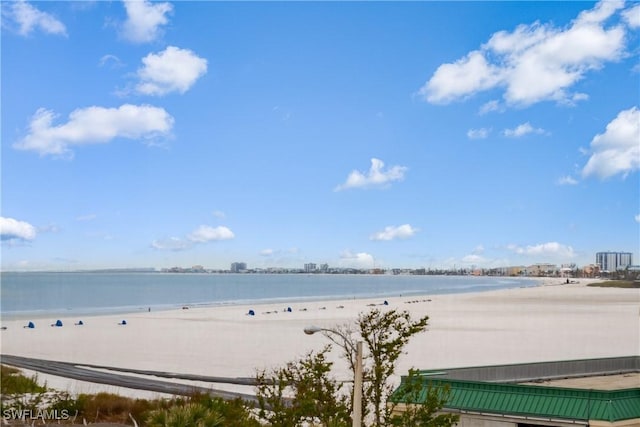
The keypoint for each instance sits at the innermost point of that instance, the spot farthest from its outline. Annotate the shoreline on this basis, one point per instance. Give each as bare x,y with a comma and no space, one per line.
549,321
54,314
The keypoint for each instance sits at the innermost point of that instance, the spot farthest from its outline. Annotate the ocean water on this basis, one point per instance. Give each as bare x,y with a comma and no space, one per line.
32,294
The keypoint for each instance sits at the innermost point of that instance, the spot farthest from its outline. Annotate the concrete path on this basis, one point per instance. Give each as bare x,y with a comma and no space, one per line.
84,372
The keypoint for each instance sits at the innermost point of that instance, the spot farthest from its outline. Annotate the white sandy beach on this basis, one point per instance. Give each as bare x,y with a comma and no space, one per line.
551,322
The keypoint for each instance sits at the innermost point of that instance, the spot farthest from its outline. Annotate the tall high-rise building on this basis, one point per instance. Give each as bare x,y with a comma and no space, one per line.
238,267
613,261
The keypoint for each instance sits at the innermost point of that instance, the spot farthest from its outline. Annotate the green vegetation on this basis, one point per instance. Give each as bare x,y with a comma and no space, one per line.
24,393
13,382
385,334
19,391
202,411
303,392
419,414
105,407
627,284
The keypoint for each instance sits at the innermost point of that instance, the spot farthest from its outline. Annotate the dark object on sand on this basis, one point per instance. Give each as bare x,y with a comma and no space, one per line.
30,325
80,323
251,313
124,322
58,323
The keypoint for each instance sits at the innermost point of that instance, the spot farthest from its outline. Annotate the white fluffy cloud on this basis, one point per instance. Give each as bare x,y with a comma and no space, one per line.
637,218
202,234
490,106
467,75
205,233
474,259
567,180
522,130
617,150
377,176
545,250
111,61
94,125
481,133
535,62
395,232
171,244
172,70
144,20
356,260
632,16
12,229
29,18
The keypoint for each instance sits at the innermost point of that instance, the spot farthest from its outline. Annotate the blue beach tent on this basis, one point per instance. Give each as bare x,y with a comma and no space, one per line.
31,325
251,313
58,323
289,309
80,323
124,322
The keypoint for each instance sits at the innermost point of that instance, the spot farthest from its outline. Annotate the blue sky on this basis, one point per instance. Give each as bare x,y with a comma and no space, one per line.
358,134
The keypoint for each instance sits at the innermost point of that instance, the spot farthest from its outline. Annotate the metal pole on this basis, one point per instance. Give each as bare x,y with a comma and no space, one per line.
356,415
357,388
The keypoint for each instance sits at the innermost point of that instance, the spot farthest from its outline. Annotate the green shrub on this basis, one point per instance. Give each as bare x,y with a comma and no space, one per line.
201,411
13,382
191,414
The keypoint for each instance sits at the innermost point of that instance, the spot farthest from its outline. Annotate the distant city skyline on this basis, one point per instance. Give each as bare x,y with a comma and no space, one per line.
353,134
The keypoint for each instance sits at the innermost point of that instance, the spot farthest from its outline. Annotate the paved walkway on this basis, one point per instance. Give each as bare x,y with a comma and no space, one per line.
108,375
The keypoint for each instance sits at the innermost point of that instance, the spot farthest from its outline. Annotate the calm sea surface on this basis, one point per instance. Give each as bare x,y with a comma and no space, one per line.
25,294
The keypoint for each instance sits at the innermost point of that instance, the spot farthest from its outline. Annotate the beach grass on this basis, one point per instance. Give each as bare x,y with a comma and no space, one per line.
13,382
113,408
109,407
626,284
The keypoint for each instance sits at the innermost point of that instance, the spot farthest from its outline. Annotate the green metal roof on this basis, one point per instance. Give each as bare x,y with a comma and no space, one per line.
535,401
